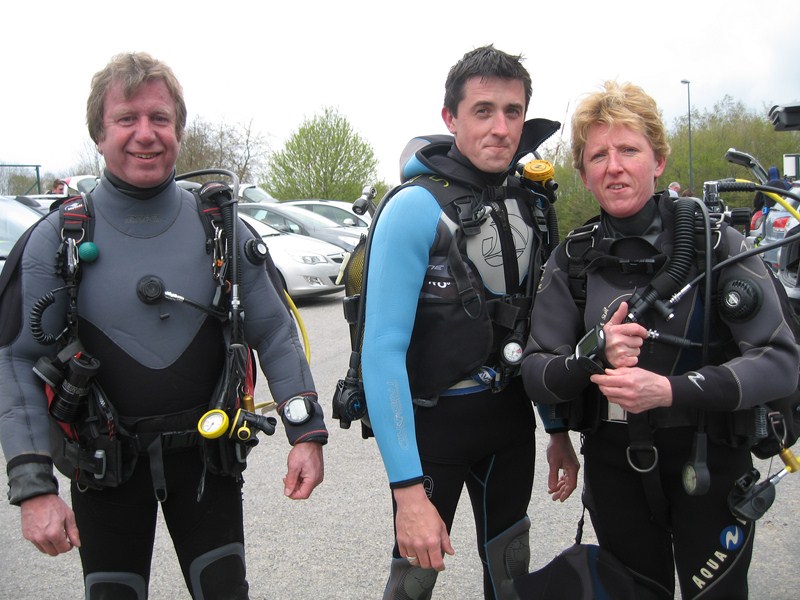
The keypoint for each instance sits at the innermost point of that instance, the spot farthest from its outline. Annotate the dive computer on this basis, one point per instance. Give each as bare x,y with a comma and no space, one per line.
589,350
297,410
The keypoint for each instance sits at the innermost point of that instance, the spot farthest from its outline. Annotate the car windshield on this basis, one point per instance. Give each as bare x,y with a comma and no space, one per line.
306,216
256,194
261,228
15,218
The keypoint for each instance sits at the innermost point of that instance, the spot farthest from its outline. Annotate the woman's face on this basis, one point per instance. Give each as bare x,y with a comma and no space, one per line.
620,168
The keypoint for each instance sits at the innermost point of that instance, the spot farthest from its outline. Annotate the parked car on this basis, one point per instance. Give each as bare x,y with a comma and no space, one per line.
335,210
293,219
307,266
81,183
772,225
776,225
15,218
250,192
39,202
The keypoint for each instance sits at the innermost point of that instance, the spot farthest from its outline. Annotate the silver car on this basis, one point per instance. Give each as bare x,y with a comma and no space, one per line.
308,267
335,210
293,219
15,218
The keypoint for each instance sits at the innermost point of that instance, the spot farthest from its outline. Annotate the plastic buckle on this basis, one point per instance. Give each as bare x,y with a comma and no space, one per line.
100,456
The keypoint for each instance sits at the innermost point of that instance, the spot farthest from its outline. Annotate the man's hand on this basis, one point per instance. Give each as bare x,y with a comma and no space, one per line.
421,534
564,466
49,524
305,470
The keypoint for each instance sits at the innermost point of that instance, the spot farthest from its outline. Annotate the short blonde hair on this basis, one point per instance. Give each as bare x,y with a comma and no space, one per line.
618,104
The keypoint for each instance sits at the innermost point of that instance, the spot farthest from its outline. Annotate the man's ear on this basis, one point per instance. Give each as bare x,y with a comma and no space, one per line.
449,120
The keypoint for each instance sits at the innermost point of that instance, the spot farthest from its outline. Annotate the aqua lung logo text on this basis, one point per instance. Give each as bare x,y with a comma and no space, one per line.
731,539
710,570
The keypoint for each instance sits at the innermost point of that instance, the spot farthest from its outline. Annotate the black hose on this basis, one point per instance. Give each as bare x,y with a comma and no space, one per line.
37,311
683,252
552,227
673,276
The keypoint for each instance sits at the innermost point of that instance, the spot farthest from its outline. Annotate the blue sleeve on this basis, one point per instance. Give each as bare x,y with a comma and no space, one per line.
403,237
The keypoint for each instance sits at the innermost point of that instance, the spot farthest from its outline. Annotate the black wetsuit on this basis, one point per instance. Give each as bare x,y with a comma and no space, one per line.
697,534
157,360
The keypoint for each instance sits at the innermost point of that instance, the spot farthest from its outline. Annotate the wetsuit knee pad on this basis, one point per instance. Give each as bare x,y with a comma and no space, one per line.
508,555
219,573
407,582
111,585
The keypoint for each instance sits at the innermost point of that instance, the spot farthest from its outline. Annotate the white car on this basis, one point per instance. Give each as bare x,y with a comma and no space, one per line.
308,267
81,183
335,210
250,192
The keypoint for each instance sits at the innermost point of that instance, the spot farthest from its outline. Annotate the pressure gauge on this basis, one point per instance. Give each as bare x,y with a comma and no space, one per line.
512,352
695,474
213,424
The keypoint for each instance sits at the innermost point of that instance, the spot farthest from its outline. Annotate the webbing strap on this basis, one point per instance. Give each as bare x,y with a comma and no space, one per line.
643,458
470,299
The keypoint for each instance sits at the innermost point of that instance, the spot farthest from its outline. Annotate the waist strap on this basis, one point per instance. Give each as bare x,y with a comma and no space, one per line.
483,379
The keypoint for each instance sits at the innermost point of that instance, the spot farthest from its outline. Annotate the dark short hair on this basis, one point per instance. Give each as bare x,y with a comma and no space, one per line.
484,62
132,70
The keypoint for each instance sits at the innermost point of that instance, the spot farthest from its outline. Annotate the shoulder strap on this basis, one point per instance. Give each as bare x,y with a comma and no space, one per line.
76,218
458,200
577,245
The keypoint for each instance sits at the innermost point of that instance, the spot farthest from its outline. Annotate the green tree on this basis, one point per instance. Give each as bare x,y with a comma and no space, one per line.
729,124
325,158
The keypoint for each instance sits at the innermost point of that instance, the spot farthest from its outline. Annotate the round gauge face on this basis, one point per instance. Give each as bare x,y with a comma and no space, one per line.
296,411
512,352
689,478
213,424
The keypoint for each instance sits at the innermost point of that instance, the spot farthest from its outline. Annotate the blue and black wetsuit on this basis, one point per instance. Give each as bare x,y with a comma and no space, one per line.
471,434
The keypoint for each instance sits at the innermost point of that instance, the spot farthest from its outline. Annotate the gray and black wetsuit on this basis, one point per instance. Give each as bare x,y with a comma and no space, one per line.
699,536
157,360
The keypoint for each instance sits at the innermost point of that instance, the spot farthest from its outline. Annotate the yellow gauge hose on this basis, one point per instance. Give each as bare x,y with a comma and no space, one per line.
779,199
301,325
267,406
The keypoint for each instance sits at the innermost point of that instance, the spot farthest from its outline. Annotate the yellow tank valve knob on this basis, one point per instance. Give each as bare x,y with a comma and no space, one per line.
790,460
538,170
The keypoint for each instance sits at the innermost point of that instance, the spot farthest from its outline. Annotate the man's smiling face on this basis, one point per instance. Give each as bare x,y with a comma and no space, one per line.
139,141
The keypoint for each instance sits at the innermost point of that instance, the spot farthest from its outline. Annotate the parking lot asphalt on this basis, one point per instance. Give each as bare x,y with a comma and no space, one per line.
337,544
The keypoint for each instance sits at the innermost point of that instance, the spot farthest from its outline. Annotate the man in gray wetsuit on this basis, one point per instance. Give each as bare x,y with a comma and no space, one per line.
159,362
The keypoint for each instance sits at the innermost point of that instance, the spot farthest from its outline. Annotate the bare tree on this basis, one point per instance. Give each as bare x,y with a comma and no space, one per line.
238,148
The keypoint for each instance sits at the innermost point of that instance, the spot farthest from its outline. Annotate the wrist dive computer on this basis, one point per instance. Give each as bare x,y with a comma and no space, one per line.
297,410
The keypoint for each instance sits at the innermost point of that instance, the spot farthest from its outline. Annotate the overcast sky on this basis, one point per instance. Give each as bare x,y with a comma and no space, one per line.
381,64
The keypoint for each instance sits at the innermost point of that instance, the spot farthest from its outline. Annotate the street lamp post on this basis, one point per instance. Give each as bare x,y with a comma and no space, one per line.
689,115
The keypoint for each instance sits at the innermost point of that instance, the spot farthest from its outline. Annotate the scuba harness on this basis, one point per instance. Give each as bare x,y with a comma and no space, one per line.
768,430
91,444
453,307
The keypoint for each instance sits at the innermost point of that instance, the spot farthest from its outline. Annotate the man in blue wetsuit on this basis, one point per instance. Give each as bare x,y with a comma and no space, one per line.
158,366
470,421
